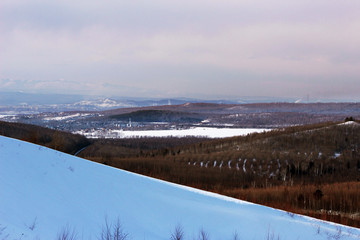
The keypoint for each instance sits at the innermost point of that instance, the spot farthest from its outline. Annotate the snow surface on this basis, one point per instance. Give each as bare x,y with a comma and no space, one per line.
42,191
5,116
104,103
349,123
196,131
60,118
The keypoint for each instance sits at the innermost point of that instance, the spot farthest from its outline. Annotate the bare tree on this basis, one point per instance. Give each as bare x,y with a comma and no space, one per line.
271,236
118,231
113,231
67,233
236,236
203,235
32,226
3,235
178,233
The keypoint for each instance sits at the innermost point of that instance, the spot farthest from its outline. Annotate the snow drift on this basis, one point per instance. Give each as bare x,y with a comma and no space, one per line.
42,190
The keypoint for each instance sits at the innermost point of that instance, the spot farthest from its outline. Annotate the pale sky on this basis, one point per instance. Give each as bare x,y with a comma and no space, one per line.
198,48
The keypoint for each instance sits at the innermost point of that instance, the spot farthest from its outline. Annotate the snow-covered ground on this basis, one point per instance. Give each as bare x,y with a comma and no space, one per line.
195,131
349,123
42,191
65,117
104,103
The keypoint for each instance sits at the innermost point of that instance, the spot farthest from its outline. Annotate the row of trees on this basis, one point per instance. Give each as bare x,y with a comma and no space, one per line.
115,231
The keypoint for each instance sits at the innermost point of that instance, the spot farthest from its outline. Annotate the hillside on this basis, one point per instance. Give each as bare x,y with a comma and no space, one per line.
159,116
312,169
59,140
45,192
240,115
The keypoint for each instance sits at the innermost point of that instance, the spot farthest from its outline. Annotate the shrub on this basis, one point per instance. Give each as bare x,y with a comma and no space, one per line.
67,233
113,231
178,233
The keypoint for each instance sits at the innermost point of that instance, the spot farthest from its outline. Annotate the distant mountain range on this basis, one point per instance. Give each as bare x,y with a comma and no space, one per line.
61,102
21,102
30,102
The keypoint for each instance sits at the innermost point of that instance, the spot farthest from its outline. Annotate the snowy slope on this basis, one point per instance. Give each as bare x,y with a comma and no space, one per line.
51,189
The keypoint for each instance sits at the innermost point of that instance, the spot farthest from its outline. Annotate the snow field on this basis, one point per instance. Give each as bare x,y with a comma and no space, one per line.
196,132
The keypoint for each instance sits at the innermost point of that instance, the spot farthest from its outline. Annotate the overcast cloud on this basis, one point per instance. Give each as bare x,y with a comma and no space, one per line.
198,48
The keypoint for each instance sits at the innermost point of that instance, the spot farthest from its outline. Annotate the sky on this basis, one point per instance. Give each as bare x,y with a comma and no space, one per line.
168,48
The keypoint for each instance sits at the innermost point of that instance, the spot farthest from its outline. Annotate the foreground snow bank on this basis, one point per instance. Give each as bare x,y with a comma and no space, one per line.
42,190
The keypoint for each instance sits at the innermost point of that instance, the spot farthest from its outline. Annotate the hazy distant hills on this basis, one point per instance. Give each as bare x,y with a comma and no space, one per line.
78,112
63,102
22,102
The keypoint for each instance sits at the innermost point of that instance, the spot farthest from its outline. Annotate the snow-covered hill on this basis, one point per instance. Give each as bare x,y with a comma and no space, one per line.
42,191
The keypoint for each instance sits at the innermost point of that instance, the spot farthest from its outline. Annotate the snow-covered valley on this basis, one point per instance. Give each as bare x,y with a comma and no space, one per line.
194,132
42,191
